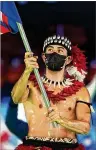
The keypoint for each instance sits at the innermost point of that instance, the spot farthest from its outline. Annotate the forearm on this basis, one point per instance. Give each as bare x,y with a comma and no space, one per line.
20,87
79,127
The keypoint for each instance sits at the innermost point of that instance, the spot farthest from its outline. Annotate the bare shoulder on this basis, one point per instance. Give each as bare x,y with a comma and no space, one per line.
83,105
83,95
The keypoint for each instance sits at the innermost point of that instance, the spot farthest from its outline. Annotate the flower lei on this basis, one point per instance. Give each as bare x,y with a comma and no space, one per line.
76,71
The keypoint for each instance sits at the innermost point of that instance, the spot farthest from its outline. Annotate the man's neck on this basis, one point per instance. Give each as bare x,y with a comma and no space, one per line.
55,75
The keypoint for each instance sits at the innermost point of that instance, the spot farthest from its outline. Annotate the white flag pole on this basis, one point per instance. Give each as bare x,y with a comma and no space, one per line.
36,72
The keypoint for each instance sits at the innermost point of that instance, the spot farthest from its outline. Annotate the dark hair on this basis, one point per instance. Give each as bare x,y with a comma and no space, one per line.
69,53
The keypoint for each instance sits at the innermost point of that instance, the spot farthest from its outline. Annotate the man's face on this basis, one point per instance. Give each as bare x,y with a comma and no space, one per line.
59,50
56,48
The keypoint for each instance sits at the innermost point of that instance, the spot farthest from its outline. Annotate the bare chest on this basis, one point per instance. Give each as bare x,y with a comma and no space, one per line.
66,107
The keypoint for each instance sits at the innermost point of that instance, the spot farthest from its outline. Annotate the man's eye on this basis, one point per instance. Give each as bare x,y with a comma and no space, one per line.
49,50
60,51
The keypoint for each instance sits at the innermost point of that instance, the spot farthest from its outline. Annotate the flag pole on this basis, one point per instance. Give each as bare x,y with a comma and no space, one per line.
36,72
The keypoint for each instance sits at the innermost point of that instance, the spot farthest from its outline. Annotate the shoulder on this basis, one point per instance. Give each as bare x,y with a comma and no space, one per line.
83,95
83,102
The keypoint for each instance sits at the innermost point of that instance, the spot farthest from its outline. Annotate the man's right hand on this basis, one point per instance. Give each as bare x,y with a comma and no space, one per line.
30,61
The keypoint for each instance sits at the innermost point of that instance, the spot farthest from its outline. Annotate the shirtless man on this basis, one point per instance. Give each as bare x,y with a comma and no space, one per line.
72,113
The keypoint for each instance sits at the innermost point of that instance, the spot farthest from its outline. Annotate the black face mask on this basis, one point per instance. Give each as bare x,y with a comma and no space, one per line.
55,61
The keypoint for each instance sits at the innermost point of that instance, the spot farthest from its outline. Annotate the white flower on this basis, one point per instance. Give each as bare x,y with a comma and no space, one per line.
71,70
80,77
78,74
69,81
83,72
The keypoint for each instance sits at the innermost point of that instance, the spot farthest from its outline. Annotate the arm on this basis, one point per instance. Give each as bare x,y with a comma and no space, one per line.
20,88
20,91
82,123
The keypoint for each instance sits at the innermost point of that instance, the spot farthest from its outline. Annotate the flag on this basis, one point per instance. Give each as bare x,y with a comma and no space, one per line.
8,17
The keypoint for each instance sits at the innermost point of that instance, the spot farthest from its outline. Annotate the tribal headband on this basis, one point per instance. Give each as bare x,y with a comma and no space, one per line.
59,40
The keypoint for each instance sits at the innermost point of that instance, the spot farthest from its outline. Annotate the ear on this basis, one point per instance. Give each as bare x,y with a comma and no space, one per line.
43,57
68,60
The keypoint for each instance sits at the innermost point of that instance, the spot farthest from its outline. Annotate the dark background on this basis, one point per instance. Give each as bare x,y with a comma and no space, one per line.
40,20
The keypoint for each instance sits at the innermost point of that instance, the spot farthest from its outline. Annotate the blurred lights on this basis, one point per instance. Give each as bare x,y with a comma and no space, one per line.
22,2
15,62
2,61
87,142
60,29
51,1
93,64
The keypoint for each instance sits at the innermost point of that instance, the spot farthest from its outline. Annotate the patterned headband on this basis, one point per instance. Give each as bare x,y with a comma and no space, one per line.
59,40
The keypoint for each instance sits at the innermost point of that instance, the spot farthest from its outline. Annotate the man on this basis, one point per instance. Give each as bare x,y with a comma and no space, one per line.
69,99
